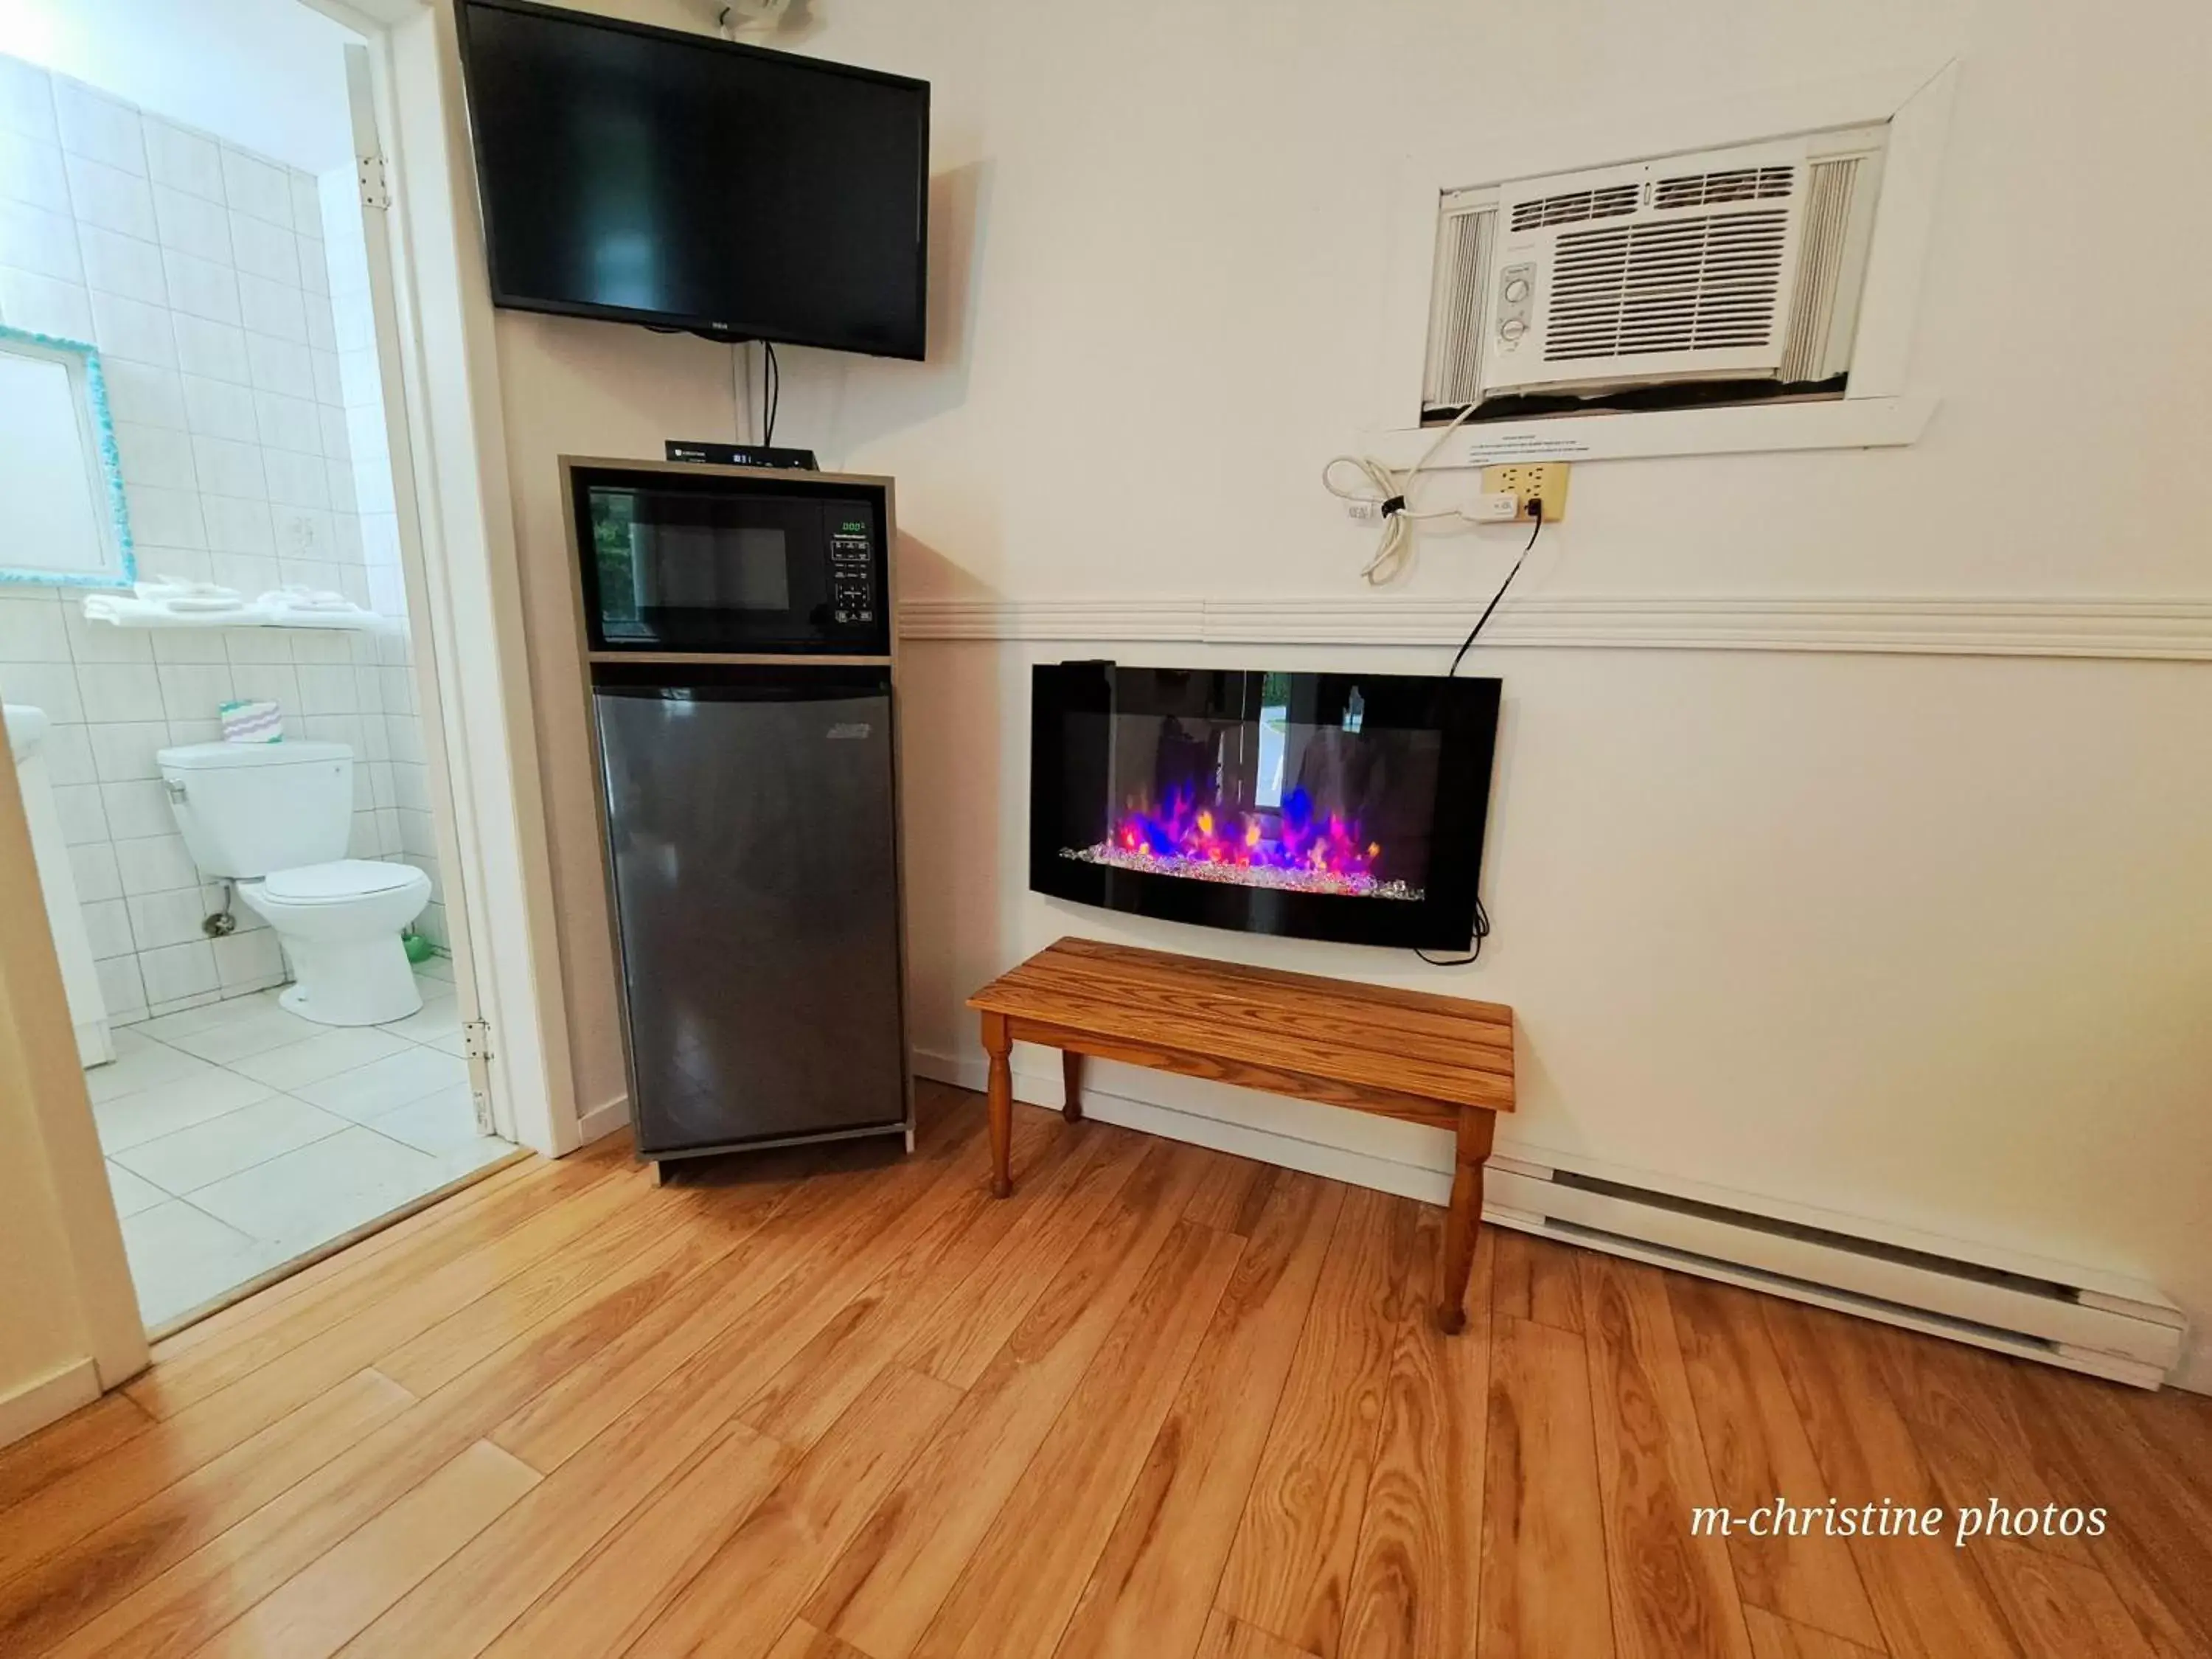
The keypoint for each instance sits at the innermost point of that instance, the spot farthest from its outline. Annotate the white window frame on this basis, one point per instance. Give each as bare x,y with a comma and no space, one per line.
1879,407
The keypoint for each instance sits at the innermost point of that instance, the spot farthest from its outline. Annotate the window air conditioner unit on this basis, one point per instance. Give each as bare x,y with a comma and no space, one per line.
1736,265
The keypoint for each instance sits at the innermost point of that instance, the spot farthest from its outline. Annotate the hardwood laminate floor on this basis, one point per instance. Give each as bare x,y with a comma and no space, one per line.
1162,1403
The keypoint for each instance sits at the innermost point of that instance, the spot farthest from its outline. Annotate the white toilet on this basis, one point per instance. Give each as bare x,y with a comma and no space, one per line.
275,818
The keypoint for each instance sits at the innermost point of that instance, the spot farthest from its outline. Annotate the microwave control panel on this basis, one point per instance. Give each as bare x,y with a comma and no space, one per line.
853,592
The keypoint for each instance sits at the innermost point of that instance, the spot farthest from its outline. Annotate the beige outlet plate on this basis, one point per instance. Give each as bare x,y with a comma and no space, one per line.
1527,480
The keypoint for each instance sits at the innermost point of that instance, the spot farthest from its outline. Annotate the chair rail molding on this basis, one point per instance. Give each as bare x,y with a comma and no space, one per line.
2154,629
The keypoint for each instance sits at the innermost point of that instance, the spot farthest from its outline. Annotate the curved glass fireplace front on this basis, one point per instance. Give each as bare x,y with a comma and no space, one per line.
1334,806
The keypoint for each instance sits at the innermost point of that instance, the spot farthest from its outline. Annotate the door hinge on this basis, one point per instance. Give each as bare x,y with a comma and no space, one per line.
475,1047
375,181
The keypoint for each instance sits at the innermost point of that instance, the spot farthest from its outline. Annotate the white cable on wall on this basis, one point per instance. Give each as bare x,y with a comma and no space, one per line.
1385,485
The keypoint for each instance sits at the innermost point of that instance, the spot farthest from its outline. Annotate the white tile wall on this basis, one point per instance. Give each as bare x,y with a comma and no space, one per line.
183,160
366,480
144,901
220,287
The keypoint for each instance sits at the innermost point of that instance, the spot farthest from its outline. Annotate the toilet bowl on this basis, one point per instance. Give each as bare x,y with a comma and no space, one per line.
339,924
275,818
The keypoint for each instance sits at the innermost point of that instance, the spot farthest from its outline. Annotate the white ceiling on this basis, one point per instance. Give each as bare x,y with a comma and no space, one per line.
265,74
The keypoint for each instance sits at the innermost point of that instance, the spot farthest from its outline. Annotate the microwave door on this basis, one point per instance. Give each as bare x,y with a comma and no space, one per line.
741,565
675,570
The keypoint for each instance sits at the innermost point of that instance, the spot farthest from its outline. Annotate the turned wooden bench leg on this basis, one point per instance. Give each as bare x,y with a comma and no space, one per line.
1070,1079
1475,1128
999,1044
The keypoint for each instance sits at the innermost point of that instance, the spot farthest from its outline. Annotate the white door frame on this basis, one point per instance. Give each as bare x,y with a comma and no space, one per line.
464,580
62,1222
458,543
430,646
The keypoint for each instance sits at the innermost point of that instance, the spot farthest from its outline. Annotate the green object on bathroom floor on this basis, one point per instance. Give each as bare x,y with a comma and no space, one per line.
419,948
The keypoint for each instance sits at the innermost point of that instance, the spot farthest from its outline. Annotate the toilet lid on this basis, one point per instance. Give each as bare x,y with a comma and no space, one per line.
347,878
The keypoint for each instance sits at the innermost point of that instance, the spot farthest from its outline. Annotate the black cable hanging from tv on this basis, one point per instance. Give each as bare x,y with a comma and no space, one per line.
771,391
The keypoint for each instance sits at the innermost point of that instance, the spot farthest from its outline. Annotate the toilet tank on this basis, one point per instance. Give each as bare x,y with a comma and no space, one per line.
247,809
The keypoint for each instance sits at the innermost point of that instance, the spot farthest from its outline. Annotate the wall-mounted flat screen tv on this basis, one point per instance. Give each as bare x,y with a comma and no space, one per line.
649,176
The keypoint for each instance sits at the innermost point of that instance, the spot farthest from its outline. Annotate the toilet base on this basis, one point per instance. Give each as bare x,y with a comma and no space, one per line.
357,982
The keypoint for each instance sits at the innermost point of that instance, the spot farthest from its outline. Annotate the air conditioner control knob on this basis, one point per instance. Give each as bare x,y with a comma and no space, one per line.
1516,291
1511,329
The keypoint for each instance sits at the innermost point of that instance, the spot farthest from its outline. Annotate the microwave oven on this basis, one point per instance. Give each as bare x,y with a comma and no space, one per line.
676,558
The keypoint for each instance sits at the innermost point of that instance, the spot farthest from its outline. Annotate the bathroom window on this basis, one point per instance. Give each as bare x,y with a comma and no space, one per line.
62,514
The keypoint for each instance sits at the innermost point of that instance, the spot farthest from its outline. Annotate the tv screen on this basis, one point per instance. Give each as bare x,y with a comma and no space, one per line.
649,176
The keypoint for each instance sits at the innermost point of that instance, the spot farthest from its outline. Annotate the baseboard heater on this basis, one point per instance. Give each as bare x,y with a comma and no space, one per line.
2093,1323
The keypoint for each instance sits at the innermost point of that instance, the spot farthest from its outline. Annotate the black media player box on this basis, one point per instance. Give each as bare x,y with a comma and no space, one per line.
683,449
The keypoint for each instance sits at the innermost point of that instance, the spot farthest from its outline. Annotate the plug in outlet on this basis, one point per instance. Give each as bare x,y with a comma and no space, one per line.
1526,481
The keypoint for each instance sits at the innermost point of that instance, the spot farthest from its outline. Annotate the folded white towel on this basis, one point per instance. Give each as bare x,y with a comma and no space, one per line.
125,608
169,596
202,603
186,594
109,606
310,601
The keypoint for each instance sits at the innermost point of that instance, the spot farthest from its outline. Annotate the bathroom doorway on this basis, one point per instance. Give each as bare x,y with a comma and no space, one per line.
220,709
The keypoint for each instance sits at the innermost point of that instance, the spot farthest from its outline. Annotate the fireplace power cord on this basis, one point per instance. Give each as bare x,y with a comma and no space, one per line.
1481,915
1535,507
1481,932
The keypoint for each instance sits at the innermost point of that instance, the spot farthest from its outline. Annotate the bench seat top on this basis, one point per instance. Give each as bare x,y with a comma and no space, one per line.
1409,1044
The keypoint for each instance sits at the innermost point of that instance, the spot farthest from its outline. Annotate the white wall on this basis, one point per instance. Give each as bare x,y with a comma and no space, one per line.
266,74
1920,940
581,388
241,377
43,1348
69,1321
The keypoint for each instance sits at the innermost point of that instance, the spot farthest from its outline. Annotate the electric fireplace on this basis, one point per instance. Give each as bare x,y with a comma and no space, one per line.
1330,806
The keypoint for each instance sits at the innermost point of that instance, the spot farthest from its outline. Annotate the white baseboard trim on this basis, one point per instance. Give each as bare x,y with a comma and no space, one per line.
602,1119
47,1399
2177,630
2194,1373
1387,1174
2112,1327
95,1043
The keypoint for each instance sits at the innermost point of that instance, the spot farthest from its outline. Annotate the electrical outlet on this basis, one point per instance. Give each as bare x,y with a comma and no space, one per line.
1527,480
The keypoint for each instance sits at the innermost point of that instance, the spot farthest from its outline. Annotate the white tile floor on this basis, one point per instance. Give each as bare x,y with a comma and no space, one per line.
239,1136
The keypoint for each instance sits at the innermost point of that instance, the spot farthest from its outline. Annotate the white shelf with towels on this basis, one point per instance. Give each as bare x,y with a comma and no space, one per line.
171,603
359,621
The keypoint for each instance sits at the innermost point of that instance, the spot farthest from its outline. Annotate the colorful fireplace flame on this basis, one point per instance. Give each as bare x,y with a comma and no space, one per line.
1294,848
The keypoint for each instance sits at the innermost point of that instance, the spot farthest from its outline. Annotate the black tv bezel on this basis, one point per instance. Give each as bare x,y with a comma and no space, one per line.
1466,713
713,328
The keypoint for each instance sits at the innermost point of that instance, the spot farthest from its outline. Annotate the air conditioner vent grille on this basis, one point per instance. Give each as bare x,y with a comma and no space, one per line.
1454,376
1572,206
1729,184
1830,187
1710,282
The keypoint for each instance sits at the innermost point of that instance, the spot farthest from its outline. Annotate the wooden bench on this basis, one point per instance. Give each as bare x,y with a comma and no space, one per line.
1432,1059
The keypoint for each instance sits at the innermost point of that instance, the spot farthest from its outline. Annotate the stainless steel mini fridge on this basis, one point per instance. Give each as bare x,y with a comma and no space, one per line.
744,713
